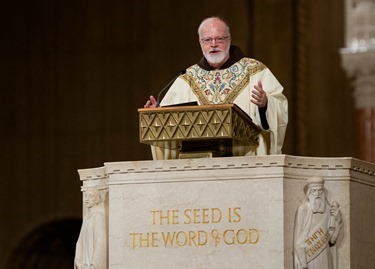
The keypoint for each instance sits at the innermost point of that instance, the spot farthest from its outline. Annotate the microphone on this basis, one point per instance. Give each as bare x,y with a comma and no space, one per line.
168,86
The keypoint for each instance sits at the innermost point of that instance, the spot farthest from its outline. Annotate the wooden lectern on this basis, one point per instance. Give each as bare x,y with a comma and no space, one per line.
198,131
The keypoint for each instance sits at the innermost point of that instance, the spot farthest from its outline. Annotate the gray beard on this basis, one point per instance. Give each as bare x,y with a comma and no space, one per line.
318,205
215,59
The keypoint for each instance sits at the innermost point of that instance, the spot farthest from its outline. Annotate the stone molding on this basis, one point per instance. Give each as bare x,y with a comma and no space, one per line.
273,166
94,177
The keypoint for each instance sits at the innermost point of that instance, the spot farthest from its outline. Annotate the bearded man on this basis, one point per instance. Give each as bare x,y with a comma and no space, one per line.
316,229
224,75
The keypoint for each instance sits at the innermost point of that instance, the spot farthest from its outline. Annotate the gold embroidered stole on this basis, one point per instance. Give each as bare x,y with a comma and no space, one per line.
221,86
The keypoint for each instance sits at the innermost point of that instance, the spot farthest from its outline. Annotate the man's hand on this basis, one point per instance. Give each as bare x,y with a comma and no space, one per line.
335,211
259,96
150,103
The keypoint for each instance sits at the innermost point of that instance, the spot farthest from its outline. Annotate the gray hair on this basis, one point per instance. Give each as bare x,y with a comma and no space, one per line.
209,19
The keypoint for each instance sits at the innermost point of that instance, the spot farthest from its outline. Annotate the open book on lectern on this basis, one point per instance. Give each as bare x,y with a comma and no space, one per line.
194,103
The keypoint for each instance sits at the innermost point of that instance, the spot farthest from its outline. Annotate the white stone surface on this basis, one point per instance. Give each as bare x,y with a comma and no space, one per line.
264,190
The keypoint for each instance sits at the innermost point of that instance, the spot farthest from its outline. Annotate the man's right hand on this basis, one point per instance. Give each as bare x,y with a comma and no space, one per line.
150,103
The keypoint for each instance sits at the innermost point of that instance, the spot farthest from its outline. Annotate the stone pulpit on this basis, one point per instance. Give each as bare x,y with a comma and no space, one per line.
263,212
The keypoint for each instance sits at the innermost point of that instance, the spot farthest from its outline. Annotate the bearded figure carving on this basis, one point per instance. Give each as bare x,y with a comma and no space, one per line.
316,229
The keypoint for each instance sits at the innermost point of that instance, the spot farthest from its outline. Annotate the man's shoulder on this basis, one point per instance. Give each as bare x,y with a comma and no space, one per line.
194,66
250,62
249,66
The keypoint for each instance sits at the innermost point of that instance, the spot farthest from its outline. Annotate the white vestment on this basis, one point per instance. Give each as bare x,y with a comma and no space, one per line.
233,85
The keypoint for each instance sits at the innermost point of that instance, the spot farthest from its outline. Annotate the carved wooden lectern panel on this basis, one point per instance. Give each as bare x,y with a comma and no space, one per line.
202,124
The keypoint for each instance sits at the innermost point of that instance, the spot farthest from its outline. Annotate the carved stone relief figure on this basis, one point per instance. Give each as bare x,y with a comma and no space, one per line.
91,248
316,229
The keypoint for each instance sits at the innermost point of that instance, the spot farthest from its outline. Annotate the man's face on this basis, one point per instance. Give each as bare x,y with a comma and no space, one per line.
215,43
317,199
90,199
316,191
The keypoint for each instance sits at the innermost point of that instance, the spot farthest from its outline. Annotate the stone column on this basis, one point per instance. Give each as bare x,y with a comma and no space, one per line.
358,59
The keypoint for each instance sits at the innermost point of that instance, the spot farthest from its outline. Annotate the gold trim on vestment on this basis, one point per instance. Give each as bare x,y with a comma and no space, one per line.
243,70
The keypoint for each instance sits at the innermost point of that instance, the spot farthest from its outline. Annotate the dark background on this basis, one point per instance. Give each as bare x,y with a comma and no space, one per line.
74,73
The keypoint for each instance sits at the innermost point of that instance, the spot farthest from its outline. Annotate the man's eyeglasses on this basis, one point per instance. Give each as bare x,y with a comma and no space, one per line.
219,40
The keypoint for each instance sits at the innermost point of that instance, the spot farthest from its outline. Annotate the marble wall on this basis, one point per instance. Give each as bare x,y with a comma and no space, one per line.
229,212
